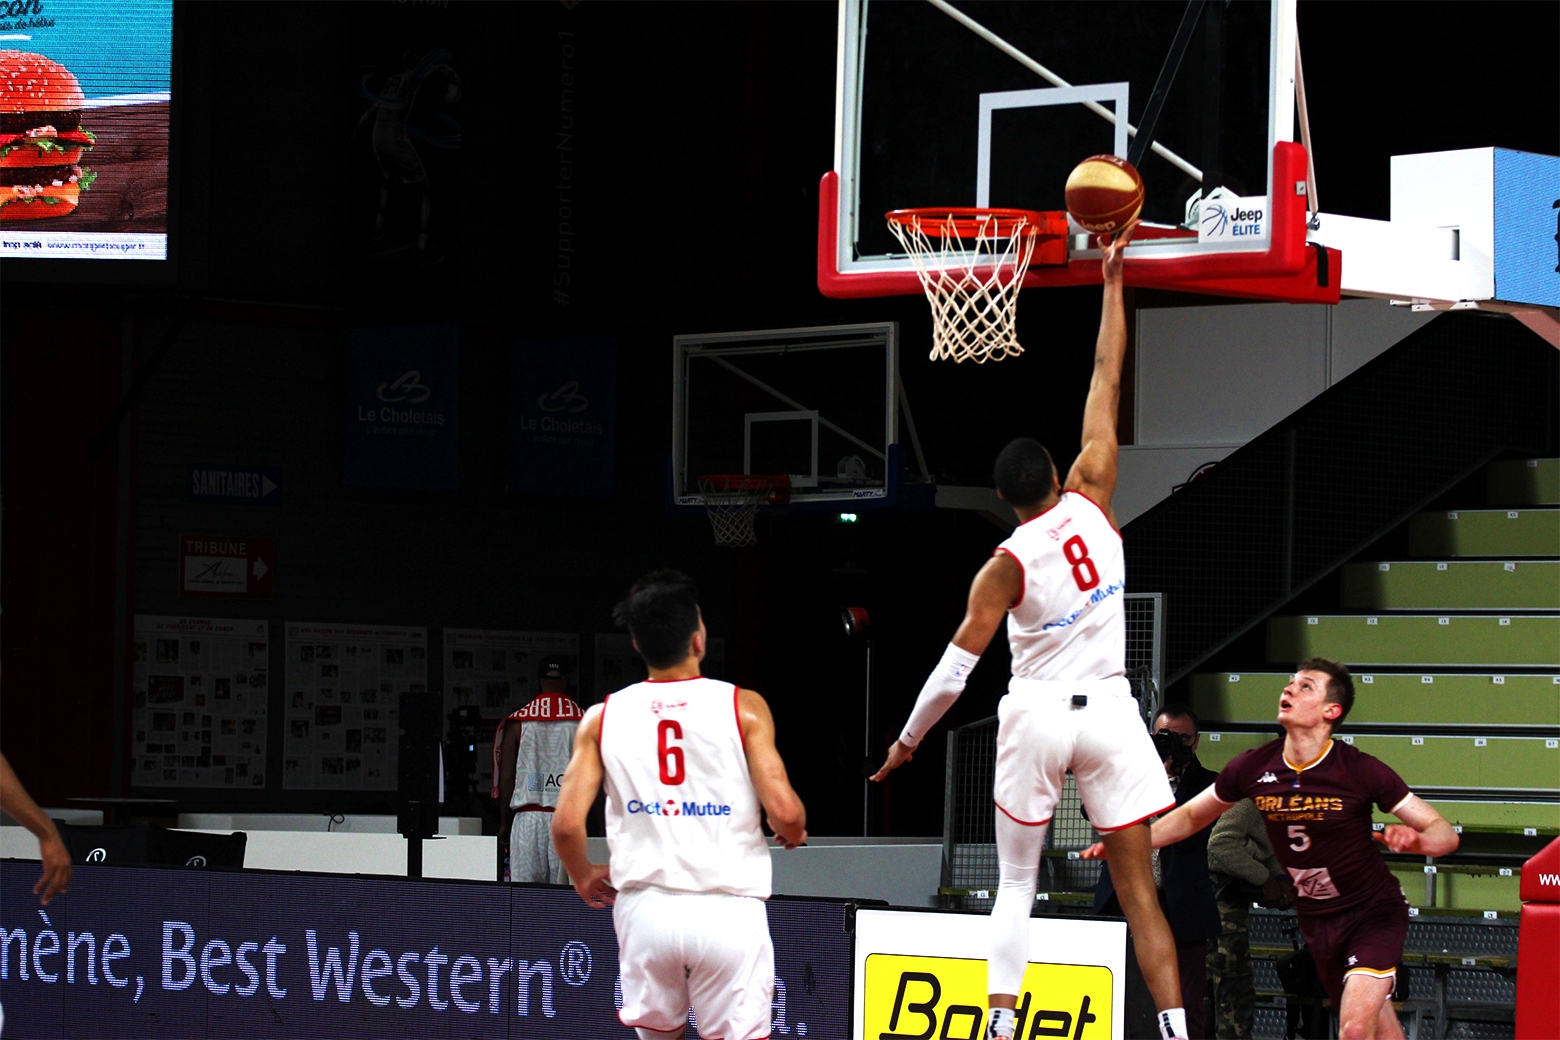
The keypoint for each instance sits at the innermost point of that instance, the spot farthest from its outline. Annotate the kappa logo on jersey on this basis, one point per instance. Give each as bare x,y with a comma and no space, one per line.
1267,778
658,706
672,807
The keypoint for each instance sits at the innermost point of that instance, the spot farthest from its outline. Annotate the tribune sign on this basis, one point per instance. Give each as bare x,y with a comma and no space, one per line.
923,974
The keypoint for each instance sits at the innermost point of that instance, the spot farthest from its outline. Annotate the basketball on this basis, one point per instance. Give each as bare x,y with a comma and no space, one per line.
1104,193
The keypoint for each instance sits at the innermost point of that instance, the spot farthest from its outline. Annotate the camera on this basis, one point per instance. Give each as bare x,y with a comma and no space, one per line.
1170,747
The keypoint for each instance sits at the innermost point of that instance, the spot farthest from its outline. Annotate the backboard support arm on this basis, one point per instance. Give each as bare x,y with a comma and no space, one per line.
1166,80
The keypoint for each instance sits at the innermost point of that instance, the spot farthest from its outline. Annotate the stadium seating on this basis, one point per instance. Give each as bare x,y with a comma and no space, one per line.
1456,653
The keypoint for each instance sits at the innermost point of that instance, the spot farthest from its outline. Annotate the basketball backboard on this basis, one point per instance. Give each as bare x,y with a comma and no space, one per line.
992,103
820,405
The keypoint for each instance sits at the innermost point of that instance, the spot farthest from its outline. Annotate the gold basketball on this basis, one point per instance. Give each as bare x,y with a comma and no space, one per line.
1104,194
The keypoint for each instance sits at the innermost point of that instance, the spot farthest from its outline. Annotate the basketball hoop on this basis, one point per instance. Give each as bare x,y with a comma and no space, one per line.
973,285
732,501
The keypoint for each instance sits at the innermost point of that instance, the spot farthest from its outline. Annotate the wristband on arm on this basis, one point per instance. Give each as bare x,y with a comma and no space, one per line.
942,688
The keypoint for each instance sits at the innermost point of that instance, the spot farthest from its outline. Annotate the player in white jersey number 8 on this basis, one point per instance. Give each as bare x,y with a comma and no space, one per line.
689,765
1059,581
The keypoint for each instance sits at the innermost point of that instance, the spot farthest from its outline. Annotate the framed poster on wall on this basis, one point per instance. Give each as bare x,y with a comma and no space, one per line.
199,691
343,685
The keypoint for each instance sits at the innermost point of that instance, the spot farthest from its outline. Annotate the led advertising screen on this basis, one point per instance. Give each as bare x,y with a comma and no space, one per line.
143,952
85,88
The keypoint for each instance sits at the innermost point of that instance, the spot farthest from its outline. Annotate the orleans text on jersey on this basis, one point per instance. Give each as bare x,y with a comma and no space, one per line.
1318,817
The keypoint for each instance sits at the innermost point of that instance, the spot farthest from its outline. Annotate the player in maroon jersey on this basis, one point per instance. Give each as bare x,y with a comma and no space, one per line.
1315,795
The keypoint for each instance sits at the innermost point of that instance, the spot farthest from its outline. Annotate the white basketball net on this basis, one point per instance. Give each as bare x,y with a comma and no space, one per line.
973,289
732,510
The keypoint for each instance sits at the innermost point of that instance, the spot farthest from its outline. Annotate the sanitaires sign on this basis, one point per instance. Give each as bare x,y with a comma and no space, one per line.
923,975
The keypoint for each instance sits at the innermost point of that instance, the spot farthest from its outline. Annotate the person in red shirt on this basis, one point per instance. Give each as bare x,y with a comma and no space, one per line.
1315,795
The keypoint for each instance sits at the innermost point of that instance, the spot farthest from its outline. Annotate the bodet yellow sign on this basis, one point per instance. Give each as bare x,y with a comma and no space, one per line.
944,998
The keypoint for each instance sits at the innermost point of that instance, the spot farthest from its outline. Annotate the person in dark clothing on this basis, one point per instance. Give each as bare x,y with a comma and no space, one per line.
1181,870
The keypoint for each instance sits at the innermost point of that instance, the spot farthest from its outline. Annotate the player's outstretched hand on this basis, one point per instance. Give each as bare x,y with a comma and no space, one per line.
56,869
594,887
1095,851
898,755
1399,838
1113,249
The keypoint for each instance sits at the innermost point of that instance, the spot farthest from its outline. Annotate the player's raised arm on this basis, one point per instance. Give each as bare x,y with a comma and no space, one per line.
1094,472
997,586
1427,833
581,782
787,815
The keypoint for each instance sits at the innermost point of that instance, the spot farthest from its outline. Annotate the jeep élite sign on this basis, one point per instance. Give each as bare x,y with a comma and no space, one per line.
920,975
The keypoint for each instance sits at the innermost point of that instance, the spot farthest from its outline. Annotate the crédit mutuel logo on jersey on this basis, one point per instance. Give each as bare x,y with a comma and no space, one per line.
673,807
1098,595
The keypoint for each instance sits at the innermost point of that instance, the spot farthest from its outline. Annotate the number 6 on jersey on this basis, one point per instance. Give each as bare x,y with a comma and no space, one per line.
668,756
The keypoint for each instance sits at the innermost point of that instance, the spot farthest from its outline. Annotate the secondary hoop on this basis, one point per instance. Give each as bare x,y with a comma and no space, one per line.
732,501
971,282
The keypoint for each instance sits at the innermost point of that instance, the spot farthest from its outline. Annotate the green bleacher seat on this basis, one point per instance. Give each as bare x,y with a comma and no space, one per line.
1524,482
1472,641
1519,763
1453,585
1430,760
1391,699
1486,532
1495,817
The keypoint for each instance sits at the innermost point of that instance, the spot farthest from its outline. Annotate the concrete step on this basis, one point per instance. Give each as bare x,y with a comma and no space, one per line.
1453,585
1502,533
1523,482
1391,699
1418,641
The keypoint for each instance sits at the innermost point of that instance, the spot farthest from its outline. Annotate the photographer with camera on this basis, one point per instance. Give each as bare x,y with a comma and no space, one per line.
1181,869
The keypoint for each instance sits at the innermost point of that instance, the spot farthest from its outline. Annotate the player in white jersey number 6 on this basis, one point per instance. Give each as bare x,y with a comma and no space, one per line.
689,763
1059,579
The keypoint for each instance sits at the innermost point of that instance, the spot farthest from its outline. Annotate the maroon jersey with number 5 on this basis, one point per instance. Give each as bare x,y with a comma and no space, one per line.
1319,819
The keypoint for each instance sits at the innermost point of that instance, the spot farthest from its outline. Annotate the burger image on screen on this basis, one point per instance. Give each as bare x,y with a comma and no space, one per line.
41,139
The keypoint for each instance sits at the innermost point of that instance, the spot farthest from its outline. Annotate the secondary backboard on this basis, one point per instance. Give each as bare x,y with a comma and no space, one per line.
819,405
992,103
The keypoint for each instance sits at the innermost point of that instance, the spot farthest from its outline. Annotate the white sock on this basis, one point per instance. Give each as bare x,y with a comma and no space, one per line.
1172,1024
1001,1026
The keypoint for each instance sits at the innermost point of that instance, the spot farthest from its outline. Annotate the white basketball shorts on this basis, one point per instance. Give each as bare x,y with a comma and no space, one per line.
708,951
1041,734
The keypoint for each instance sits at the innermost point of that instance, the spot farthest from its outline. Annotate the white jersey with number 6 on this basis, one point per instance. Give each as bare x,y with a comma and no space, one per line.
1069,622
681,810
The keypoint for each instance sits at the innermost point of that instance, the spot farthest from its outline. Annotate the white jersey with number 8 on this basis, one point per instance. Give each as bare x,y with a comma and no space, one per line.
1069,623
681,810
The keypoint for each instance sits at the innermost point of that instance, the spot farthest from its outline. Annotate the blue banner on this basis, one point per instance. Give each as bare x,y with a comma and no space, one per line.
188,954
562,417
402,423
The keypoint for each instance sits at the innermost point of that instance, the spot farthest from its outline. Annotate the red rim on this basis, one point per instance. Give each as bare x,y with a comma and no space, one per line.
967,220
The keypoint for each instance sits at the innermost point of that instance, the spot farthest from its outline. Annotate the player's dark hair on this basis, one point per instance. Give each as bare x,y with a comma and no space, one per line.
661,612
1179,711
1340,684
1024,471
